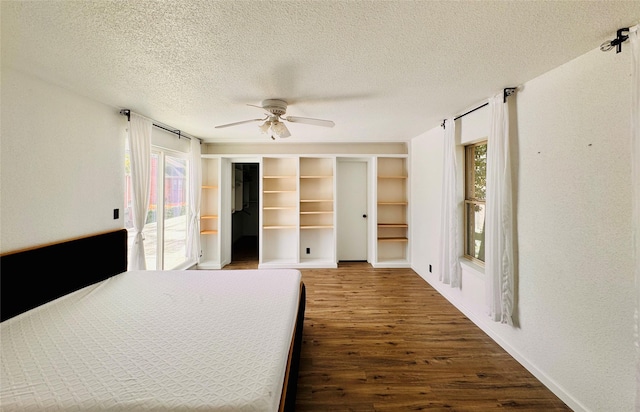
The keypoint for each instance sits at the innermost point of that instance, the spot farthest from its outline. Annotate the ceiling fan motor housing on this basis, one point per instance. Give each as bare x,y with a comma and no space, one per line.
275,106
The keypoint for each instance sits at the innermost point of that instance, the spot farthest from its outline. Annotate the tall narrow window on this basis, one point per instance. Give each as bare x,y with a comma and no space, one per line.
475,194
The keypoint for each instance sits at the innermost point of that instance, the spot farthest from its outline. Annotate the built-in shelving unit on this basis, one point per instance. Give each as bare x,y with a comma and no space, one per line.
392,228
209,214
279,241
297,211
298,219
317,217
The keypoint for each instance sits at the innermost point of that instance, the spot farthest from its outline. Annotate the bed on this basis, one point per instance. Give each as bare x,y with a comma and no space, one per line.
112,339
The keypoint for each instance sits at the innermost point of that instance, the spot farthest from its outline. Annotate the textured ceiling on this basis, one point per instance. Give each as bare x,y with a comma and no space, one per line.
381,70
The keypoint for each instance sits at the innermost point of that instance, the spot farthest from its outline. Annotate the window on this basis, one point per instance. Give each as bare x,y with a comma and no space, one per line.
474,201
165,230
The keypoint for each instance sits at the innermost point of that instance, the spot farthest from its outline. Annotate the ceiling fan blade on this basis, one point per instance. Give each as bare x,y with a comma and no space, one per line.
308,120
242,122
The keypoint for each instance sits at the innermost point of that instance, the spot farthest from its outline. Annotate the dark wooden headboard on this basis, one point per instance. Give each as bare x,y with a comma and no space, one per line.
32,277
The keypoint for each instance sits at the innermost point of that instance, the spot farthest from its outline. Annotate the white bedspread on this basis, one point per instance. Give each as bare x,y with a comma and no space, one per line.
154,341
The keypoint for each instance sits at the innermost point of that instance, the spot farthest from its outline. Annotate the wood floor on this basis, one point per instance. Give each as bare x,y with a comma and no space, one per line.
384,340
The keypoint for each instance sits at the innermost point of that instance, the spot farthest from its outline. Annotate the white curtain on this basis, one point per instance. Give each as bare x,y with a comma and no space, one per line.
449,250
499,270
634,37
140,148
193,229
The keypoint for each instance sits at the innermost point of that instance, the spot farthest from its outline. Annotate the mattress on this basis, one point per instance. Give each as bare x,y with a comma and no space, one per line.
155,341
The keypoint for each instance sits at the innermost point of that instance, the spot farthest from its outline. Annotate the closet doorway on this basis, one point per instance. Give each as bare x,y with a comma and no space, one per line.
245,184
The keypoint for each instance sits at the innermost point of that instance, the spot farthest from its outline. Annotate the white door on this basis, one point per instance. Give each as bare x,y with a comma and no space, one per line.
352,210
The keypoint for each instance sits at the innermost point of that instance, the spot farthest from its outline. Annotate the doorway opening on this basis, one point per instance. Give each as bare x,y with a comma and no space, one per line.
245,212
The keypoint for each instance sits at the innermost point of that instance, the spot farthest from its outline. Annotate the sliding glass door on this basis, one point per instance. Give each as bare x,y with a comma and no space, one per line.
165,230
175,211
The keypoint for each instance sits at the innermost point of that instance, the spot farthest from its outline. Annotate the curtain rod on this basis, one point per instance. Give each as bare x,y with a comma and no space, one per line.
470,111
506,92
127,112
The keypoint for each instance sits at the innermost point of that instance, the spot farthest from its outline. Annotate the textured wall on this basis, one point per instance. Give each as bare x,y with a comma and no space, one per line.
573,202
574,222
62,163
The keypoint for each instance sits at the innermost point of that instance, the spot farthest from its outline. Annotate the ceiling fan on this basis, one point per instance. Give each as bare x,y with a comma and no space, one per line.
273,124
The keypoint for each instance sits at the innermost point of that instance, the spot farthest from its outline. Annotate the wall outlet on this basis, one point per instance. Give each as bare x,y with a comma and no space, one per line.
430,269
116,213
308,250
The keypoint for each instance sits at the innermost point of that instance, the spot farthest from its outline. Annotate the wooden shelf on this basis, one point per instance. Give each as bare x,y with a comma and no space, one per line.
315,200
393,203
392,177
279,191
319,212
316,227
208,232
279,227
385,225
209,217
393,239
279,208
317,177
209,187
279,177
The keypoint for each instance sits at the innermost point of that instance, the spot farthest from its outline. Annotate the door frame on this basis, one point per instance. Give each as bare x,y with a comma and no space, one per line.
226,190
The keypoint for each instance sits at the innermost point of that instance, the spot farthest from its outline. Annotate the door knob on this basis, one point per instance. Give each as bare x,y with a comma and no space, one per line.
364,216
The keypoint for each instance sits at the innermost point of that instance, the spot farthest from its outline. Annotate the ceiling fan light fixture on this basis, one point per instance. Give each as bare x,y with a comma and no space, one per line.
264,127
279,129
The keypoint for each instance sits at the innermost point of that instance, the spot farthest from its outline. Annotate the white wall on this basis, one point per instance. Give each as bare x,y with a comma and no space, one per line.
62,169
575,285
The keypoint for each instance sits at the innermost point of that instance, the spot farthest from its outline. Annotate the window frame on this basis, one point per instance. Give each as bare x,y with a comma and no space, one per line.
469,195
